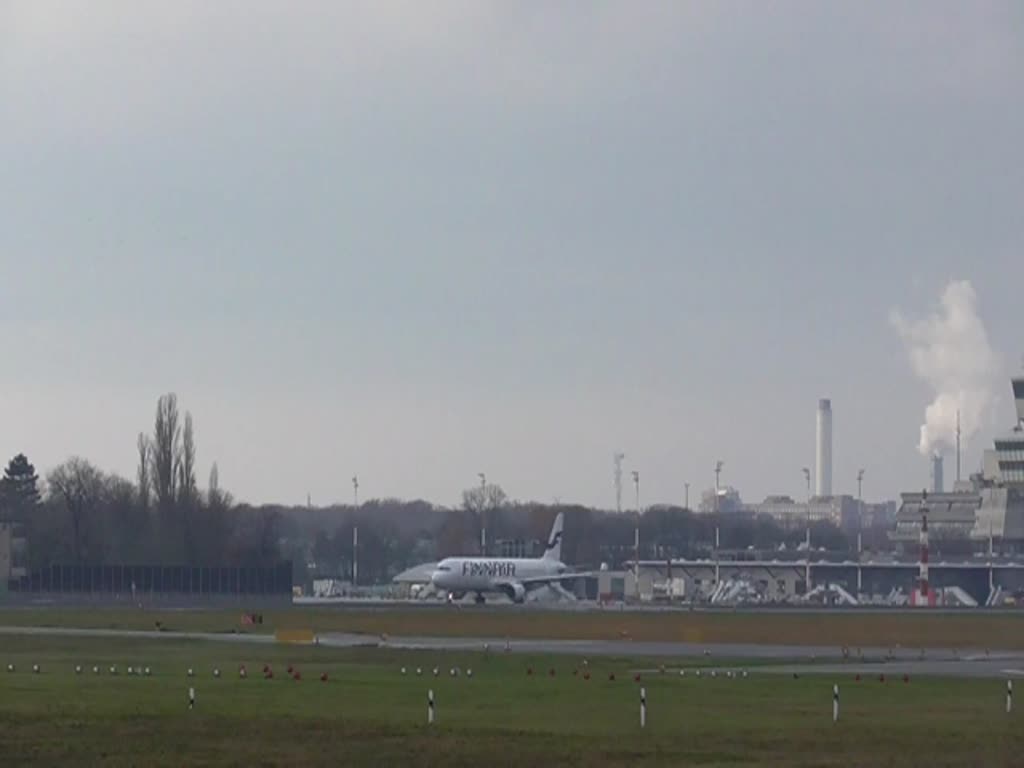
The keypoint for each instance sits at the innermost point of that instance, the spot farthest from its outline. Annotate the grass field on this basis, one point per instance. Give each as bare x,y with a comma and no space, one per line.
369,713
907,629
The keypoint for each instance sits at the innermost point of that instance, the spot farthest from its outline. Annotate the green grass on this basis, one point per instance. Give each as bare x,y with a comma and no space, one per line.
370,714
906,629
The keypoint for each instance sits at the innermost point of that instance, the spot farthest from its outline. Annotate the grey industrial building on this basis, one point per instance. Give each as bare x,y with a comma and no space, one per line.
984,513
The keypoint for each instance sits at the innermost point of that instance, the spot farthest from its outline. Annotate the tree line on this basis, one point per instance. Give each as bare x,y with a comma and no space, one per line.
81,515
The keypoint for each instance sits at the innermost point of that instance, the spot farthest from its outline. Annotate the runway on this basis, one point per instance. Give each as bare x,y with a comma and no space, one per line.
771,659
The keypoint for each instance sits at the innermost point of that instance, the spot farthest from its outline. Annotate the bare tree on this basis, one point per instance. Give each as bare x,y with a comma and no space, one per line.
187,464
164,452
143,472
80,486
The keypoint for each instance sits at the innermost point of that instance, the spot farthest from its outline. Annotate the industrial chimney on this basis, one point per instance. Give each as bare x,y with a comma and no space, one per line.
937,481
1018,396
823,463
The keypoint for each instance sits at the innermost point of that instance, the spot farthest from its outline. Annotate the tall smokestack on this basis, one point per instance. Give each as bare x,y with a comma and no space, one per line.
823,462
1018,395
937,479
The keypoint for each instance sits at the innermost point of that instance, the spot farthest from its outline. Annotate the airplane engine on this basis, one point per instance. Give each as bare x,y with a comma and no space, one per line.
517,592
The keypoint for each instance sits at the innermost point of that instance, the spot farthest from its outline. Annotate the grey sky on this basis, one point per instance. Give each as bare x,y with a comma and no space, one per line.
416,241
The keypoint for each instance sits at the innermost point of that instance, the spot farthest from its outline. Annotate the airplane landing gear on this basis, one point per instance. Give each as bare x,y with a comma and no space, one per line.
479,599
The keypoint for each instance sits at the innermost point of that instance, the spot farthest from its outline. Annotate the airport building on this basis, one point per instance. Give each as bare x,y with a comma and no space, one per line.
984,513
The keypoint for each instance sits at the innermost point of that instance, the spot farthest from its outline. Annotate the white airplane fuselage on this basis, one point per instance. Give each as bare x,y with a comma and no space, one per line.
509,575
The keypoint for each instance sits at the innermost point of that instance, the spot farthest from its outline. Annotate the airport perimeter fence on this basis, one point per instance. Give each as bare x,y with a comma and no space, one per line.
157,582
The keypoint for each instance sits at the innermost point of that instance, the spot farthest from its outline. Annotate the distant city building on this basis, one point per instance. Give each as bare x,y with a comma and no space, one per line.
725,499
838,510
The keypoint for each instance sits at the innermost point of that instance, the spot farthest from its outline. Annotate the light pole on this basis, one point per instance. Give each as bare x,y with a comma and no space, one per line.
686,498
483,508
860,526
807,556
636,536
718,471
355,532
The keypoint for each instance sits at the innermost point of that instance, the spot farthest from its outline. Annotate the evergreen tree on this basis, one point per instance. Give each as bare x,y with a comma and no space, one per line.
19,487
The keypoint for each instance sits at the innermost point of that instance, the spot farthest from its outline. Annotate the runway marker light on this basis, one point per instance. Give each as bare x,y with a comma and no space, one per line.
241,671
469,673
403,670
698,673
191,673
454,672
744,674
113,670
147,671
714,673
643,707
835,703
131,671
430,707
323,678
95,670
10,667
682,673
419,671
35,669
436,672
1009,696
216,672
78,669
191,698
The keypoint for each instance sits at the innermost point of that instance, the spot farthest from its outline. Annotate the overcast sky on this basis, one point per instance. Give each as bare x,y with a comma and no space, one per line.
417,241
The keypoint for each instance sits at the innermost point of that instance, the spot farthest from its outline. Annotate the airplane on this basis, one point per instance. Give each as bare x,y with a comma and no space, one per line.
513,576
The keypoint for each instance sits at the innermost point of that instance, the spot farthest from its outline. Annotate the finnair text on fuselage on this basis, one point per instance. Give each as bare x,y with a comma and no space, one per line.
488,568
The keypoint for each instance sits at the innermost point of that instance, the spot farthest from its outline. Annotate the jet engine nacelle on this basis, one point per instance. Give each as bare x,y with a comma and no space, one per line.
517,592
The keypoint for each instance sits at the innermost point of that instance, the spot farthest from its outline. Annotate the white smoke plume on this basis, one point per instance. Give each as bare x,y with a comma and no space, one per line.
949,349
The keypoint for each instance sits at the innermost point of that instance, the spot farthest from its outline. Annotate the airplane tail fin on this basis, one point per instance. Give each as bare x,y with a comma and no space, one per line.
554,548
